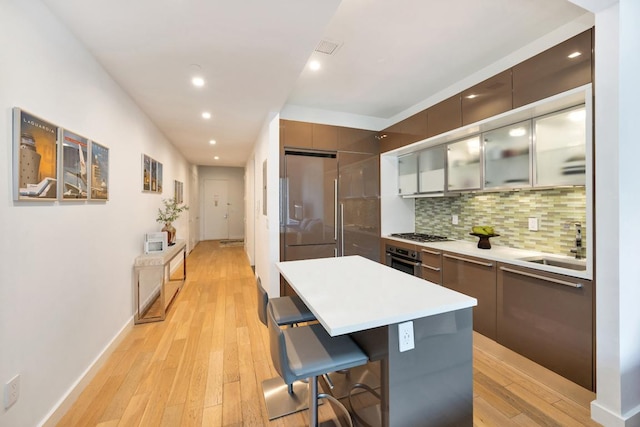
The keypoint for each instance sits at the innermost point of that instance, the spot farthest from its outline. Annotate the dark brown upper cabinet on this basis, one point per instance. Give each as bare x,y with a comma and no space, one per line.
487,99
553,71
444,116
403,133
358,140
315,136
296,134
324,137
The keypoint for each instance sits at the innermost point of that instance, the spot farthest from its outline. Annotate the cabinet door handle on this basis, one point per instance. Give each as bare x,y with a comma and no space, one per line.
430,268
430,252
537,276
484,264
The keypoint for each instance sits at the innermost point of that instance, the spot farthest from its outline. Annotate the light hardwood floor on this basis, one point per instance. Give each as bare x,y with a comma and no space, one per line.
204,365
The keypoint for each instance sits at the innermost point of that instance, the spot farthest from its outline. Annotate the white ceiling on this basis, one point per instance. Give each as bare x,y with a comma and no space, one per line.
252,53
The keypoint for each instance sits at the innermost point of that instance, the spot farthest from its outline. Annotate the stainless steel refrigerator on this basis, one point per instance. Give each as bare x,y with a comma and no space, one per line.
330,205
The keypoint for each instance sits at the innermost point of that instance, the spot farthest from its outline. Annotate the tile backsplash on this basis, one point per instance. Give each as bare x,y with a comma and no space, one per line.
508,212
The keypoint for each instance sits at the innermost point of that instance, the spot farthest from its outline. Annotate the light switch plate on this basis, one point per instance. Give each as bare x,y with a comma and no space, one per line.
454,219
405,336
533,224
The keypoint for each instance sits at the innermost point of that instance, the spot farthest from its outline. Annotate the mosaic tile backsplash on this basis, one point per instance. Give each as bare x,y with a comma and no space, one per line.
557,211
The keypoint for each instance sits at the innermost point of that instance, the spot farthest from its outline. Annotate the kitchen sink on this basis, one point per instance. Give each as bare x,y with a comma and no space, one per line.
558,262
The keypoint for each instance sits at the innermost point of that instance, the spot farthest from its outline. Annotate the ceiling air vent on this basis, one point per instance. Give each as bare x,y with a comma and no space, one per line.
327,47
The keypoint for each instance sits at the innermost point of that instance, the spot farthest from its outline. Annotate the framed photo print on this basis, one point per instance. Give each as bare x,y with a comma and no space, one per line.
159,177
154,176
99,172
35,157
146,173
151,175
74,160
178,192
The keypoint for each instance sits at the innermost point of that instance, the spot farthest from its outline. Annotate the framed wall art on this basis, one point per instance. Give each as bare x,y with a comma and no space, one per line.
151,175
146,173
35,157
178,191
74,157
99,165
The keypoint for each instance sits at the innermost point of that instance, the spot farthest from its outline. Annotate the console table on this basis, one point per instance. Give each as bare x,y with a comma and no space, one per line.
154,287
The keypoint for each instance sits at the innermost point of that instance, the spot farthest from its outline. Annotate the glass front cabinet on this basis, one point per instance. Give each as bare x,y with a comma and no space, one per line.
507,163
546,151
560,147
463,164
408,174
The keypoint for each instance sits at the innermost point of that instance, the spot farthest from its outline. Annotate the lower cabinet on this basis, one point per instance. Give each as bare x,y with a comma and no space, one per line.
431,265
475,277
547,318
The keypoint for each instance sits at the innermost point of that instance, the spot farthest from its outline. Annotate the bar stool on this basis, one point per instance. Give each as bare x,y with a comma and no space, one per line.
309,352
281,398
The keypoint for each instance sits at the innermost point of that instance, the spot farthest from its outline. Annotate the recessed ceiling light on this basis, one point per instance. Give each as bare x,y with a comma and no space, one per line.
471,96
574,55
197,81
206,115
314,65
216,158
212,142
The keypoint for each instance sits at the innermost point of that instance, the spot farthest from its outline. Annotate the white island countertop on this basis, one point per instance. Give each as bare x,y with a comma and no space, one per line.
350,294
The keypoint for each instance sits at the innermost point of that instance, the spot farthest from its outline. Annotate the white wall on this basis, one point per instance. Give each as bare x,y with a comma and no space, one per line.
235,178
251,208
617,206
266,240
66,276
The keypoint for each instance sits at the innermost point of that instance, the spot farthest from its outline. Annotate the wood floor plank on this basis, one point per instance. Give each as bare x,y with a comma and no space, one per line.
204,366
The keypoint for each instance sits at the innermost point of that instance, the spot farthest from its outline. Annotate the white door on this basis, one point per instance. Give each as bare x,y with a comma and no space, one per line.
216,209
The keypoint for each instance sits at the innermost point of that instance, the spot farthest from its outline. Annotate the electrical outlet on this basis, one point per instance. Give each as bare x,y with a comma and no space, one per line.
454,219
405,334
533,224
11,392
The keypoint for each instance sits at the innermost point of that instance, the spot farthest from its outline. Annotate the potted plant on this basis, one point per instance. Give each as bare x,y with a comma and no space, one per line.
170,213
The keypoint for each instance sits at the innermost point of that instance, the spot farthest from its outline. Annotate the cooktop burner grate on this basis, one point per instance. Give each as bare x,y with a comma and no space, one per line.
421,237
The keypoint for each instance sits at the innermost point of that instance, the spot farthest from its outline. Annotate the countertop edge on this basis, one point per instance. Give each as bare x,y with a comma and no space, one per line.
473,251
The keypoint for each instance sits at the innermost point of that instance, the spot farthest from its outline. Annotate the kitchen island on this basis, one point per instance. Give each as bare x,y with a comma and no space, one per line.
429,385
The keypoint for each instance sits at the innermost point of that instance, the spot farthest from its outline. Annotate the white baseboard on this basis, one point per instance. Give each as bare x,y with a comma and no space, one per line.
608,418
65,403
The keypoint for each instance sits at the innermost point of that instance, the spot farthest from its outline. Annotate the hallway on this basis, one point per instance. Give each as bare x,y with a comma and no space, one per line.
204,365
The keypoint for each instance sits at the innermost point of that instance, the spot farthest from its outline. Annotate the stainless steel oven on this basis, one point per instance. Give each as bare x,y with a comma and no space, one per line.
403,259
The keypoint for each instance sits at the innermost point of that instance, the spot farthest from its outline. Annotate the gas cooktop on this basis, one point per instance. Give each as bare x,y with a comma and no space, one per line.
420,237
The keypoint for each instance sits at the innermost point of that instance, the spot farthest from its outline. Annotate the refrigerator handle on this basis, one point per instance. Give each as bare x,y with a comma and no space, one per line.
342,229
335,209
335,252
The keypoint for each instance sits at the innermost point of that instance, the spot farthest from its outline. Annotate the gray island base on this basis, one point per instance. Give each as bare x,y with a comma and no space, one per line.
429,385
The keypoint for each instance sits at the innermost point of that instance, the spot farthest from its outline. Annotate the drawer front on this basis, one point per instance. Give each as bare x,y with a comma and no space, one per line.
477,278
431,265
548,318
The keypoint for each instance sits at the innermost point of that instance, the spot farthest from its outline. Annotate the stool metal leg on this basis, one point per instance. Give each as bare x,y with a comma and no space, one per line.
313,401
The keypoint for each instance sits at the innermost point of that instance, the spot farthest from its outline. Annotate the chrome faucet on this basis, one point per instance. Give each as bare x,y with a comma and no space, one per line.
578,250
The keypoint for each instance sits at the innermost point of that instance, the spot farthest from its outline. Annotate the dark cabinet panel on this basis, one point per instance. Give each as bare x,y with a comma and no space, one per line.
553,71
444,116
408,131
296,134
432,265
358,140
547,318
475,277
487,99
324,137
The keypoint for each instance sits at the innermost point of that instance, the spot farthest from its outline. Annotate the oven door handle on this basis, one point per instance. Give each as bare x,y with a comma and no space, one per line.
405,261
